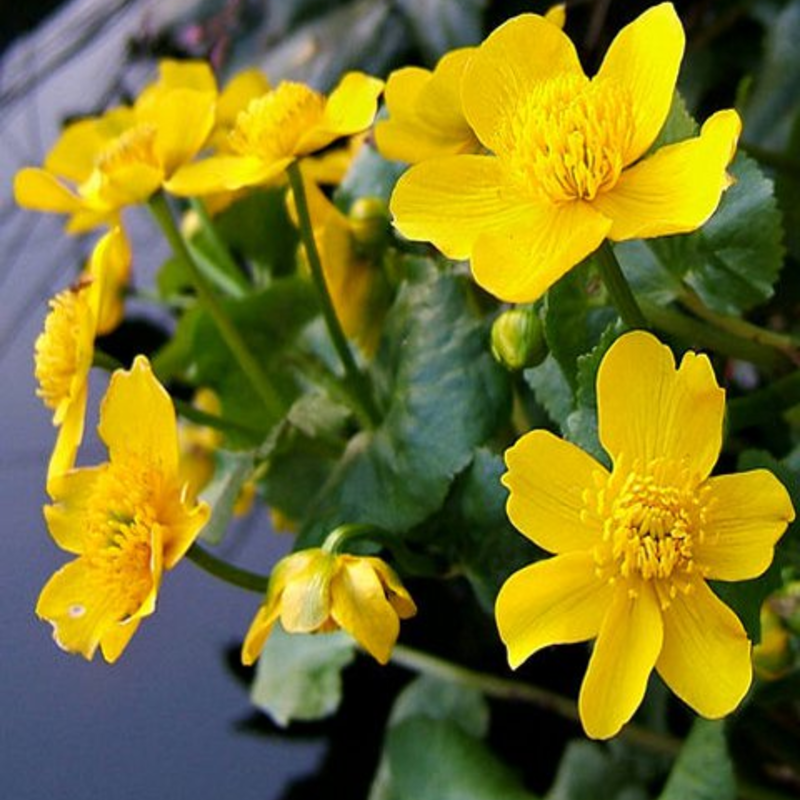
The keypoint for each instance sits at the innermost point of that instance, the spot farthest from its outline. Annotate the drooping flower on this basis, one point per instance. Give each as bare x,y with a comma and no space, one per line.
426,115
126,520
355,283
569,162
289,122
315,591
102,164
635,546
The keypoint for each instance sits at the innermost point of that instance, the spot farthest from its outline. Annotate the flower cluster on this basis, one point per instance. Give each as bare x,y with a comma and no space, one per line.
361,386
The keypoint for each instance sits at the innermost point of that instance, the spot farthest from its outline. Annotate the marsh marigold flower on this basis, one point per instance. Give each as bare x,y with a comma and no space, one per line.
568,162
634,547
101,164
276,128
315,591
110,265
126,520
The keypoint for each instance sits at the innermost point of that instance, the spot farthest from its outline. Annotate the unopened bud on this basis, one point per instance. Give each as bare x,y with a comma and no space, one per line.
518,339
369,223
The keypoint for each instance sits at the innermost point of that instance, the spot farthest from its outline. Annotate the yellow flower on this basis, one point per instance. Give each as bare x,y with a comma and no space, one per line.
353,281
635,546
126,520
276,128
101,164
426,118
110,265
314,591
568,163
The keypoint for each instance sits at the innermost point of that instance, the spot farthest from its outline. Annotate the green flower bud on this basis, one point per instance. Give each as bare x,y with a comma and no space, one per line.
369,223
518,338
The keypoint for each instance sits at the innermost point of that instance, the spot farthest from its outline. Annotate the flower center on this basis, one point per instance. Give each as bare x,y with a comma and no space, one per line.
123,526
133,146
272,125
650,527
58,351
569,139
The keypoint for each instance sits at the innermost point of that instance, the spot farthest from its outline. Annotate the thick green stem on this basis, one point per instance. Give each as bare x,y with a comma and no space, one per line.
230,334
617,286
726,343
354,375
504,689
236,576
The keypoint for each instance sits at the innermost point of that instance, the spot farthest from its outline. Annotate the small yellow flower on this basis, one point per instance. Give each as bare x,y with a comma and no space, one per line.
126,520
278,127
635,546
101,164
568,163
315,591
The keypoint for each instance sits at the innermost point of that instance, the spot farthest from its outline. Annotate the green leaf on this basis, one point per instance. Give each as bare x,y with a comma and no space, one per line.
232,470
703,770
433,759
585,766
298,676
551,390
444,395
773,100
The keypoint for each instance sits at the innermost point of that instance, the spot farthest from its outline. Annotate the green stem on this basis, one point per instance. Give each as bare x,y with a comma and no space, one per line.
618,287
242,578
218,248
219,423
725,343
104,361
764,404
354,376
741,328
230,334
504,689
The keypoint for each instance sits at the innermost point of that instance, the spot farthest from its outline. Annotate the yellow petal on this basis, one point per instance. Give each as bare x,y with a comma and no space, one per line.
223,173
349,109
190,74
746,515
258,633
648,410
360,607
400,600
555,601
70,434
507,68
183,119
128,185
705,659
137,418
238,92
644,59
557,15
450,201
182,526
110,264
625,653
520,262
116,639
71,493
677,188
546,479
306,601
41,191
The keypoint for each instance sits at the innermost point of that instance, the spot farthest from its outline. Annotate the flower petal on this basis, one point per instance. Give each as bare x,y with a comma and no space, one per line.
360,607
182,526
70,434
555,601
39,190
648,410
676,189
546,479
397,595
137,418
522,261
644,59
66,518
508,67
705,658
306,600
625,653
747,514
258,633
116,639
223,173
450,201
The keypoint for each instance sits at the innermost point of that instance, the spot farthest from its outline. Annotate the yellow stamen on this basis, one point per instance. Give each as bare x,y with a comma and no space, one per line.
134,146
